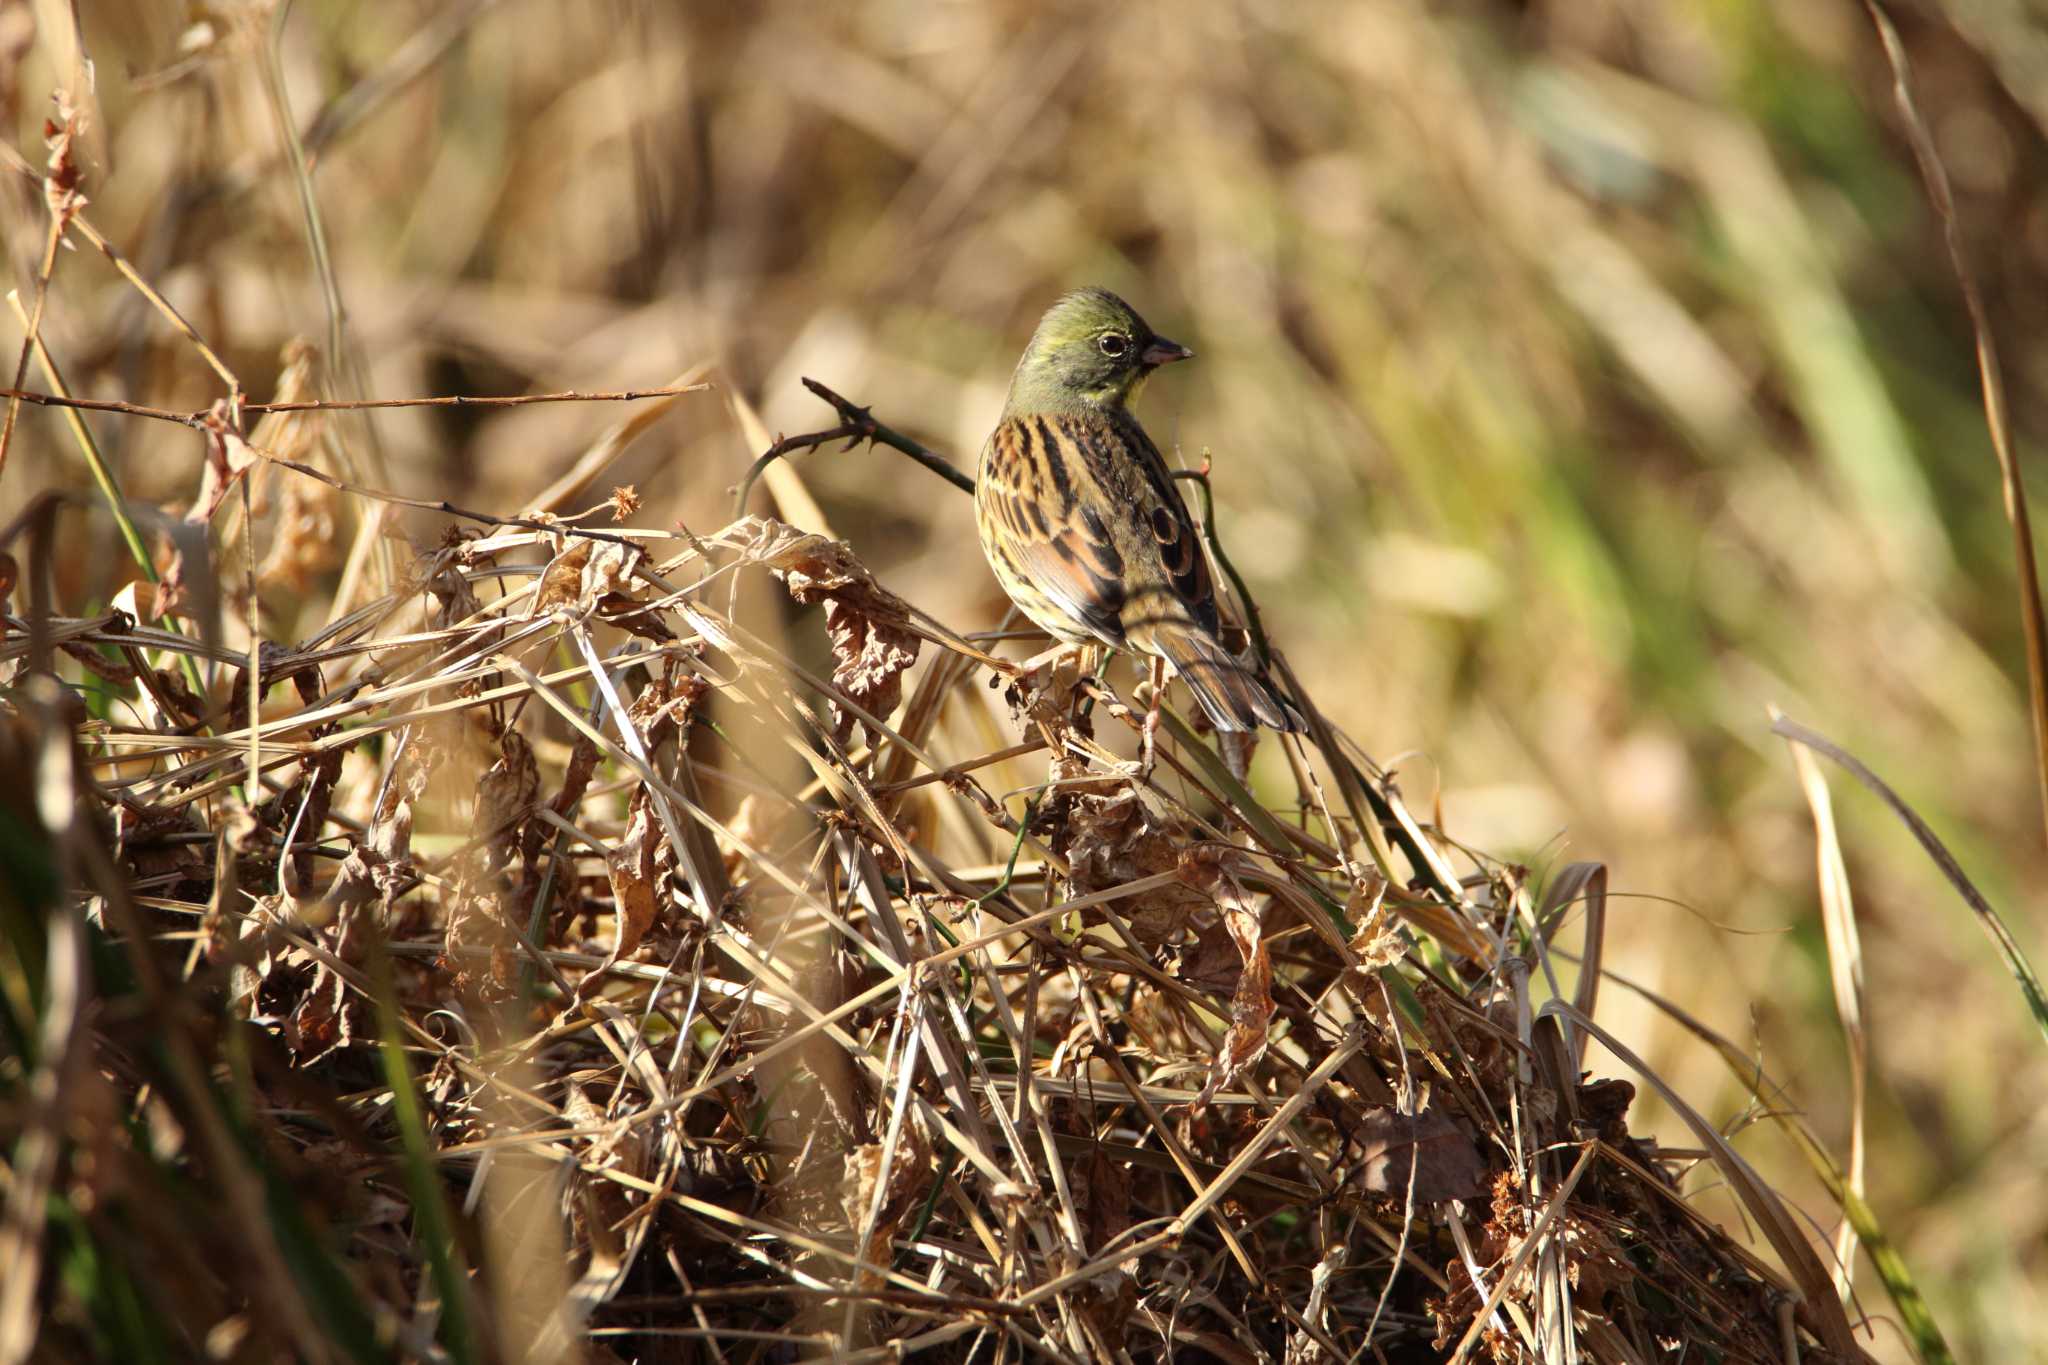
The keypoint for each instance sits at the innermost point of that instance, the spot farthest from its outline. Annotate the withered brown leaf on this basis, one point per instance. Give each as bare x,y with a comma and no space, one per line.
868,626
1113,840
228,457
1251,1004
504,798
631,867
1445,1162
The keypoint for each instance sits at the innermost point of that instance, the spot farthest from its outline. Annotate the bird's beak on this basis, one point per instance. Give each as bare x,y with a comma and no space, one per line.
1160,351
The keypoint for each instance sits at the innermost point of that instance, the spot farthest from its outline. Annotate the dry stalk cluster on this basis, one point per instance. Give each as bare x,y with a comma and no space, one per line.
553,966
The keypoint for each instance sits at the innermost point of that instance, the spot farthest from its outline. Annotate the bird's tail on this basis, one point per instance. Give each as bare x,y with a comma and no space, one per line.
1232,695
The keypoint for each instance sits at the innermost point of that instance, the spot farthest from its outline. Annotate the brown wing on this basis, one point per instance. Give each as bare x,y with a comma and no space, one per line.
1163,513
1045,531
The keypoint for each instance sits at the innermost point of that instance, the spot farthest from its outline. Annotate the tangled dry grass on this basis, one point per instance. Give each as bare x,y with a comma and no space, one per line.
934,1043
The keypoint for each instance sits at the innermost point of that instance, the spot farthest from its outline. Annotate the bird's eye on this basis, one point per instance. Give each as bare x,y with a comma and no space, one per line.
1114,345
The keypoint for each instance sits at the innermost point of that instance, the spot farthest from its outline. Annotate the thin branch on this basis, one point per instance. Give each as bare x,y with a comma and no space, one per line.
458,400
856,424
465,400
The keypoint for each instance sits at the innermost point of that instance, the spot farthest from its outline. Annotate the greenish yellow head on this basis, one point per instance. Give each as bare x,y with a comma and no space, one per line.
1091,350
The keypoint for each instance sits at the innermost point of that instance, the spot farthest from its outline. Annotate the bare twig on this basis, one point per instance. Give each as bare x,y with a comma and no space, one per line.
856,424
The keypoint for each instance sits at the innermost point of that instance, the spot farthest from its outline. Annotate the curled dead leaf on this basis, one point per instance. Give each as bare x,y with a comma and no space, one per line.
868,626
902,1182
597,1205
303,538
275,664
504,798
479,930
584,574
1251,1004
1109,841
1101,1188
61,190
630,865
1376,942
1047,702
561,581
325,1017
228,457
661,711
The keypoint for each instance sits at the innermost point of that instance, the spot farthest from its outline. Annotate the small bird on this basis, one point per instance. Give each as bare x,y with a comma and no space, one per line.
1081,520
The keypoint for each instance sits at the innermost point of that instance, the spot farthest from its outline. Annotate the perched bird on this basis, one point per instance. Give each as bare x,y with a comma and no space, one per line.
1081,520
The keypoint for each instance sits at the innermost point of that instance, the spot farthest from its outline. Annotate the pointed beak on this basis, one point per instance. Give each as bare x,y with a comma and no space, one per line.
1160,351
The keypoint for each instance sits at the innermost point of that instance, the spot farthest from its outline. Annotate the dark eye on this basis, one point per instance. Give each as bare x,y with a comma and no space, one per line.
1114,345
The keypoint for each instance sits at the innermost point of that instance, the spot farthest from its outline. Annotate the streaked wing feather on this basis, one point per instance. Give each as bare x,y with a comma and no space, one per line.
1165,517
1048,535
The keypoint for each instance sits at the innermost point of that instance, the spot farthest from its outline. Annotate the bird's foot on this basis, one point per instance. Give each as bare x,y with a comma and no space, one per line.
1148,734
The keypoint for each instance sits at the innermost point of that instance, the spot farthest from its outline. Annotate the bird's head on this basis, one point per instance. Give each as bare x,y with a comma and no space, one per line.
1091,350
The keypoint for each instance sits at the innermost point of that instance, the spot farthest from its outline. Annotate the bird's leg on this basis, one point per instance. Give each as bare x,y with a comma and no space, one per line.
1148,736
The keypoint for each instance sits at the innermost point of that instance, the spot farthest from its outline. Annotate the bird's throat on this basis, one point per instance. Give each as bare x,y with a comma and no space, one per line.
1043,395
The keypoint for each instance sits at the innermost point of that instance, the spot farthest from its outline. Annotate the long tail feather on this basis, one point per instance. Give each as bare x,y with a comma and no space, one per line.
1234,698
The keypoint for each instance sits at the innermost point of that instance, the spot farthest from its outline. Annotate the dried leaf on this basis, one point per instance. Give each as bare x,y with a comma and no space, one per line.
479,925
1109,841
1102,1189
583,574
1594,1260
1212,962
504,798
872,644
1251,1009
187,585
154,843
228,457
583,759
902,1183
631,868
663,708
391,833
759,822
305,802
562,578
1048,703
275,664
225,901
1445,1162
597,1205
325,1017
1376,943
872,653
454,595
60,186
629,613
1251,1004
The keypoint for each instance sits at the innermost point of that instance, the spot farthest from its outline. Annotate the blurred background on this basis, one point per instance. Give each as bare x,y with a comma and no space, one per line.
1580,377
